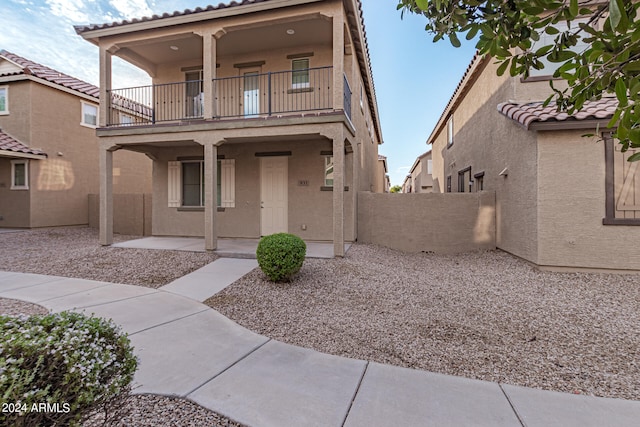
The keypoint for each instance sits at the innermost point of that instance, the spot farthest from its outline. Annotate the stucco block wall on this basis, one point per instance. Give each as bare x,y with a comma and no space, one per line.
440,223
572,205
308,205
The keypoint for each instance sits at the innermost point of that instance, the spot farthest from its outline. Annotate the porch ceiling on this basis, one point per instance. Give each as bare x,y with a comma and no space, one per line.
188,47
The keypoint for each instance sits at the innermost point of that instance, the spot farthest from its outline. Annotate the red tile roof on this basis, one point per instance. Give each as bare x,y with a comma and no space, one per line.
8,143
535,112
50,75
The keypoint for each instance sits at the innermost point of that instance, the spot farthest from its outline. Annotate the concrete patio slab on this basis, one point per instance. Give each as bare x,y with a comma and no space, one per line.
97,296
146,311
283,385
11,281
42,292
211,279
179,356
391,395
230,248
541,408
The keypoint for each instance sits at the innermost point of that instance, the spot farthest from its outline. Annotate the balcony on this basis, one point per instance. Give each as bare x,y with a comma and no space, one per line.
249,96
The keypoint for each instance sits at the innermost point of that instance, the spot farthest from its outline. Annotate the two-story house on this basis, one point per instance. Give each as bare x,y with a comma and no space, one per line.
49,149
563,200
419,178
261,118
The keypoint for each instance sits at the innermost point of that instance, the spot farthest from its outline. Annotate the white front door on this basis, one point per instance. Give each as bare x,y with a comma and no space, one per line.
273,195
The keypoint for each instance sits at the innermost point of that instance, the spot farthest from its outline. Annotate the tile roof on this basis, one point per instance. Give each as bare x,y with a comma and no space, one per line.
8,143
50,75
82,28
535,112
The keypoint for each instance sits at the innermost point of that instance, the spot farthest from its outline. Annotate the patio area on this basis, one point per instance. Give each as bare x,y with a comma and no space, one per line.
229,248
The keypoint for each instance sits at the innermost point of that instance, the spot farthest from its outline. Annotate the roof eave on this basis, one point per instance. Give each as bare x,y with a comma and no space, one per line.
21,155
569,124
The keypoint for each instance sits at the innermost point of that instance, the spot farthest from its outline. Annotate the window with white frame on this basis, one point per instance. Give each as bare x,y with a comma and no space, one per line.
4,99
89,115
126,119
549,39
186,183
19,174
328,171
450,132
300,73
429,166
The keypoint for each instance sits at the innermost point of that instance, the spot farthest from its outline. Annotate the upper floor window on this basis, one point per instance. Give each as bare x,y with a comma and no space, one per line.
429,166
19,174
89,115
450,132
4,100
549,39
300,73
328,171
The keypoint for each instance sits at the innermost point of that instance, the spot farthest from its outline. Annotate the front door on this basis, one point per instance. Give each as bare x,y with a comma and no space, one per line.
273,195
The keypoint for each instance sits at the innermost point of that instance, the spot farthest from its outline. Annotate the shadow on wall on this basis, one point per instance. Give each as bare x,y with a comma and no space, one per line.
428,222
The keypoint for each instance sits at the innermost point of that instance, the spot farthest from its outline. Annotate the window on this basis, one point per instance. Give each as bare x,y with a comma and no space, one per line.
126,119
479,181
328,171
19,174
4,100
450,132
194,94
89,115
549,39
429,166
187,184
300,73
449,184
622,185
464,180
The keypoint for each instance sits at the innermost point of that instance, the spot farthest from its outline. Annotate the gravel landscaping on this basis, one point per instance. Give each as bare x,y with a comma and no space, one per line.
75,252
486,315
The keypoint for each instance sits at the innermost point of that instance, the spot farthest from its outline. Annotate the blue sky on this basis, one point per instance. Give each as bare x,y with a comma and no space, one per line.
414,77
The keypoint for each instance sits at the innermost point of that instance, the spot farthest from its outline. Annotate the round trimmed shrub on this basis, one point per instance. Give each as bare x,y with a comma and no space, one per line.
280,256
59,369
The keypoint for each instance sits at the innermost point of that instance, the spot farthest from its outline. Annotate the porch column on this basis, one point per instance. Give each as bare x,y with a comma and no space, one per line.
338,193
338,61
210,196
105,85
209,45
106,195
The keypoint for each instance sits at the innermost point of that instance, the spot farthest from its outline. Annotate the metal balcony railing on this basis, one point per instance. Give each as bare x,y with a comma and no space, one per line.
251,95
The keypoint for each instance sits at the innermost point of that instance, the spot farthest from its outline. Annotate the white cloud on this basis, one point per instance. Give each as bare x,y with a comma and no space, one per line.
403,169
69,9
131,8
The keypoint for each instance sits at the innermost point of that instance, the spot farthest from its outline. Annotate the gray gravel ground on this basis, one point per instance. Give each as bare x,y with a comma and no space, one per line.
75,252
486,315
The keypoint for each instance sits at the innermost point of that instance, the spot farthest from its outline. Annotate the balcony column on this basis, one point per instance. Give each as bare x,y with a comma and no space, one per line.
106,194
210,195
209,57
105,85
338,192
338,61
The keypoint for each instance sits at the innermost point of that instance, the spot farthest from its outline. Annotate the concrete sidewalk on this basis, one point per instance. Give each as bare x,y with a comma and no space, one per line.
187,349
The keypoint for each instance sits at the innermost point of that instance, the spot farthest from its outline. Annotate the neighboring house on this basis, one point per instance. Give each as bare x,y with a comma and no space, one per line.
261,118
420,178
407,185
562,199
382,179
48,147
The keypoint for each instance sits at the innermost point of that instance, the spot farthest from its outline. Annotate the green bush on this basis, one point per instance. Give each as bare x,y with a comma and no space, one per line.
58,369
280,256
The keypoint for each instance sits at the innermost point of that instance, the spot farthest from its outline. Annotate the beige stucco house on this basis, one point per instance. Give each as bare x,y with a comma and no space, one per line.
420,179
49,150
261,118
563,200
382,179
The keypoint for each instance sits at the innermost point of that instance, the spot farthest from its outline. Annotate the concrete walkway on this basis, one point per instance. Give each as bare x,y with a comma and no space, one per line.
187,349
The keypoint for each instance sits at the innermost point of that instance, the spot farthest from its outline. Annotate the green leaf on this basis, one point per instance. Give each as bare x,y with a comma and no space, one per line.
573,8
453,38
551,30
621,92
472,33
502,68
422,4
634,157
